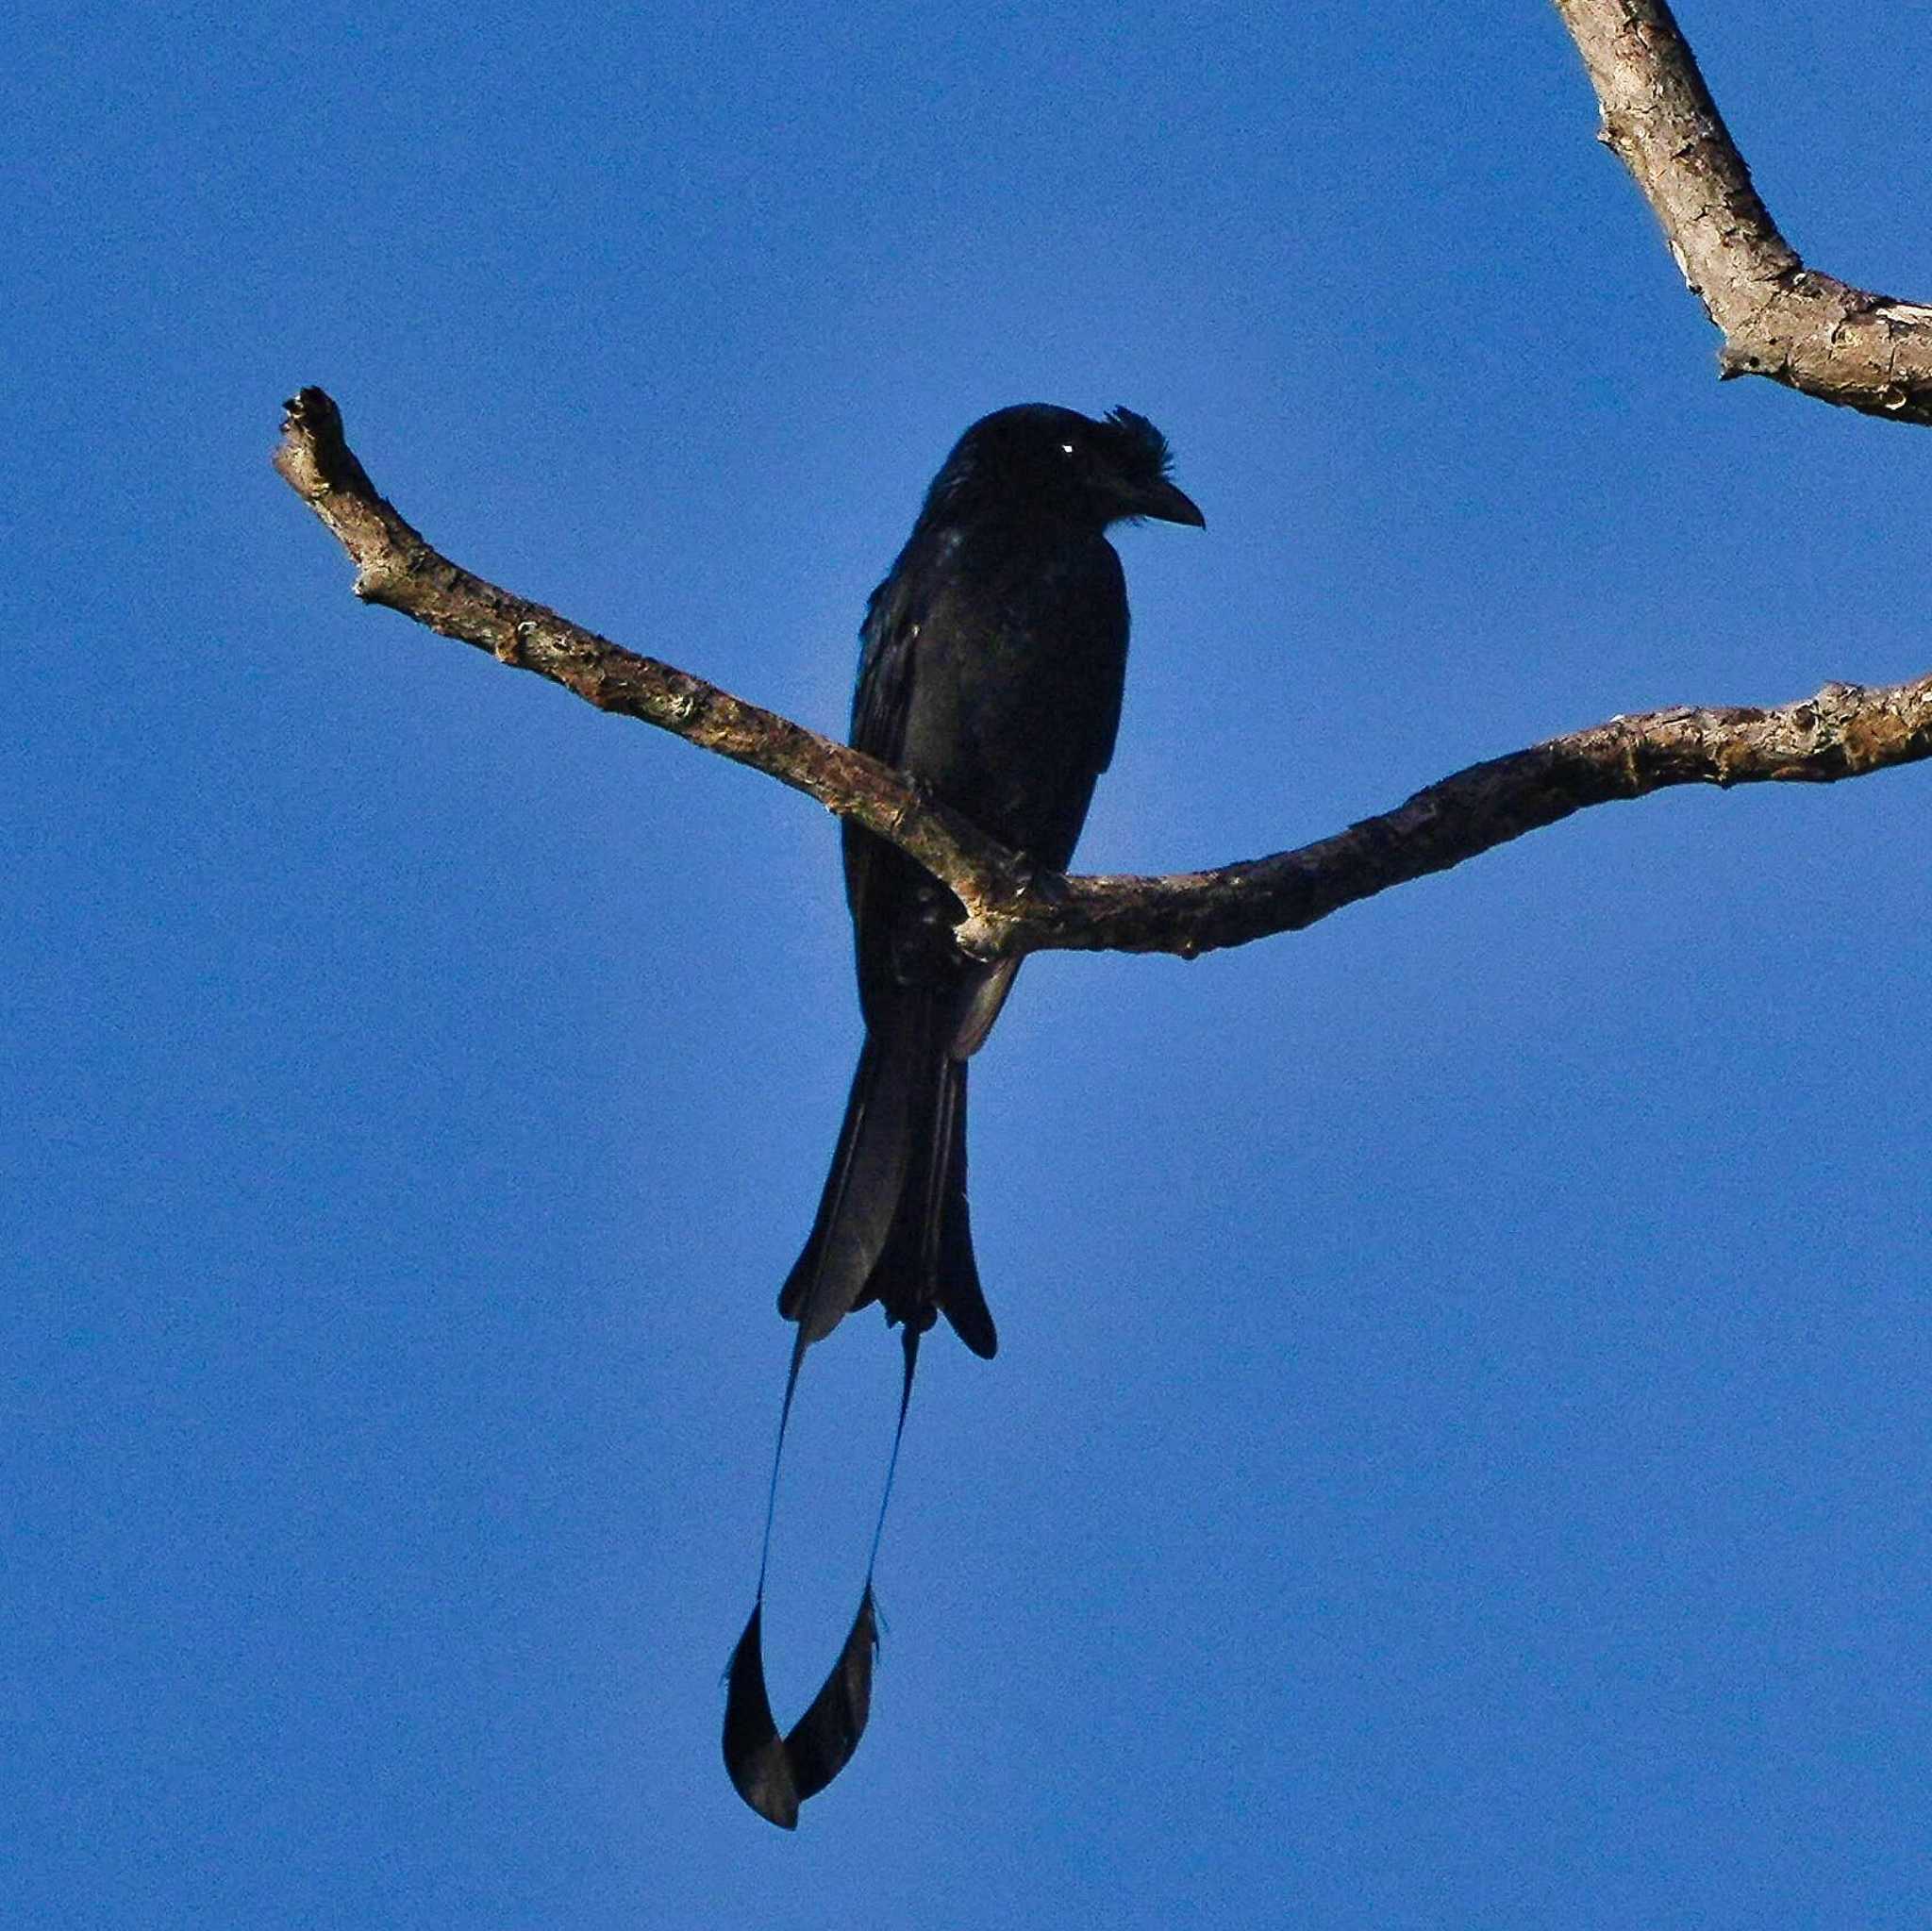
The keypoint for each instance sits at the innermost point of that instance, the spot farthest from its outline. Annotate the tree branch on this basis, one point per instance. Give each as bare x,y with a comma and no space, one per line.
395,567
1795,325
1011,908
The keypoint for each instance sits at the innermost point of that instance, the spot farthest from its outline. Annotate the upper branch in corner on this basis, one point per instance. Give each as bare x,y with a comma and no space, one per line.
1779,318
1012,908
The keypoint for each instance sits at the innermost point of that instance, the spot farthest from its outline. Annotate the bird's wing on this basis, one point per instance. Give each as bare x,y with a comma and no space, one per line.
892,620
881,704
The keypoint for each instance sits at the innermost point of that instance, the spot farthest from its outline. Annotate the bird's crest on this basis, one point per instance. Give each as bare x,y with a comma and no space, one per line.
1147,446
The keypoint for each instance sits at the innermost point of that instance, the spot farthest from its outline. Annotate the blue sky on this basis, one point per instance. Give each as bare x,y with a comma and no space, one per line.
1459,1450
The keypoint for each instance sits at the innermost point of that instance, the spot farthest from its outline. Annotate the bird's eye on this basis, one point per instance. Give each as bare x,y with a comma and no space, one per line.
1066,449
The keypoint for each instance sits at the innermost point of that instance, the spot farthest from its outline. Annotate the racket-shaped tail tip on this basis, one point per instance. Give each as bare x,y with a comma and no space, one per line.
755,1755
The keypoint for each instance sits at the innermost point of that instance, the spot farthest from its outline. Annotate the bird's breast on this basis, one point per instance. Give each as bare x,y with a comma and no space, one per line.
1017,675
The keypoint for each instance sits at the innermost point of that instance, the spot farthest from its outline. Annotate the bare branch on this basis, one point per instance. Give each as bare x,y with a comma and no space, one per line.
396,568
1780,318
1010,908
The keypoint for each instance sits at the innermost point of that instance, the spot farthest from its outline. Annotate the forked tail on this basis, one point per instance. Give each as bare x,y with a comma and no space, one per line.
892,1224
891,1227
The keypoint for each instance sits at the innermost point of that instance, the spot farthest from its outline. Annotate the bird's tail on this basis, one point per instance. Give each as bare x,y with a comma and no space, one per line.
776,1773
892,1222
892,1228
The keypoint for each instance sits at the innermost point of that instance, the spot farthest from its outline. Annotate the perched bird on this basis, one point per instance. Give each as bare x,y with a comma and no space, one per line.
991,667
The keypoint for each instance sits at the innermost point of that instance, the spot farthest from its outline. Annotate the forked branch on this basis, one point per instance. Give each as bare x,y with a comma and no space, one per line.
1795,325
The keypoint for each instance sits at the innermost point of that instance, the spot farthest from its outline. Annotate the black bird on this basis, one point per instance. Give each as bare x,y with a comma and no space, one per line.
992,666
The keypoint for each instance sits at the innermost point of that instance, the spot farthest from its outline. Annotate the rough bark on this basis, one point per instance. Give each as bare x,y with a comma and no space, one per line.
1010,907
1779,318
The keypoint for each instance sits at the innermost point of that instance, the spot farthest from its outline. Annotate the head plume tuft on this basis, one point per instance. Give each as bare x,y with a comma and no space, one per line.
1149,447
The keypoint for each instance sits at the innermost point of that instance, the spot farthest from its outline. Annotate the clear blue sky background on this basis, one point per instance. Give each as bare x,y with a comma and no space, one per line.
1459,1453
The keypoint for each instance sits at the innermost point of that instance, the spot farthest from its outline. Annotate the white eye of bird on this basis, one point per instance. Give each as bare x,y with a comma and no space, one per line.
1066,449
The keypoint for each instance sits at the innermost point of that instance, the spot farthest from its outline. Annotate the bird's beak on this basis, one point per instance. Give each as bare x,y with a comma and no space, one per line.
1165,504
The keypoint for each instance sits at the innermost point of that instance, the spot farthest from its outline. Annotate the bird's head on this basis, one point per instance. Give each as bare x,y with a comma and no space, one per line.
1055,464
